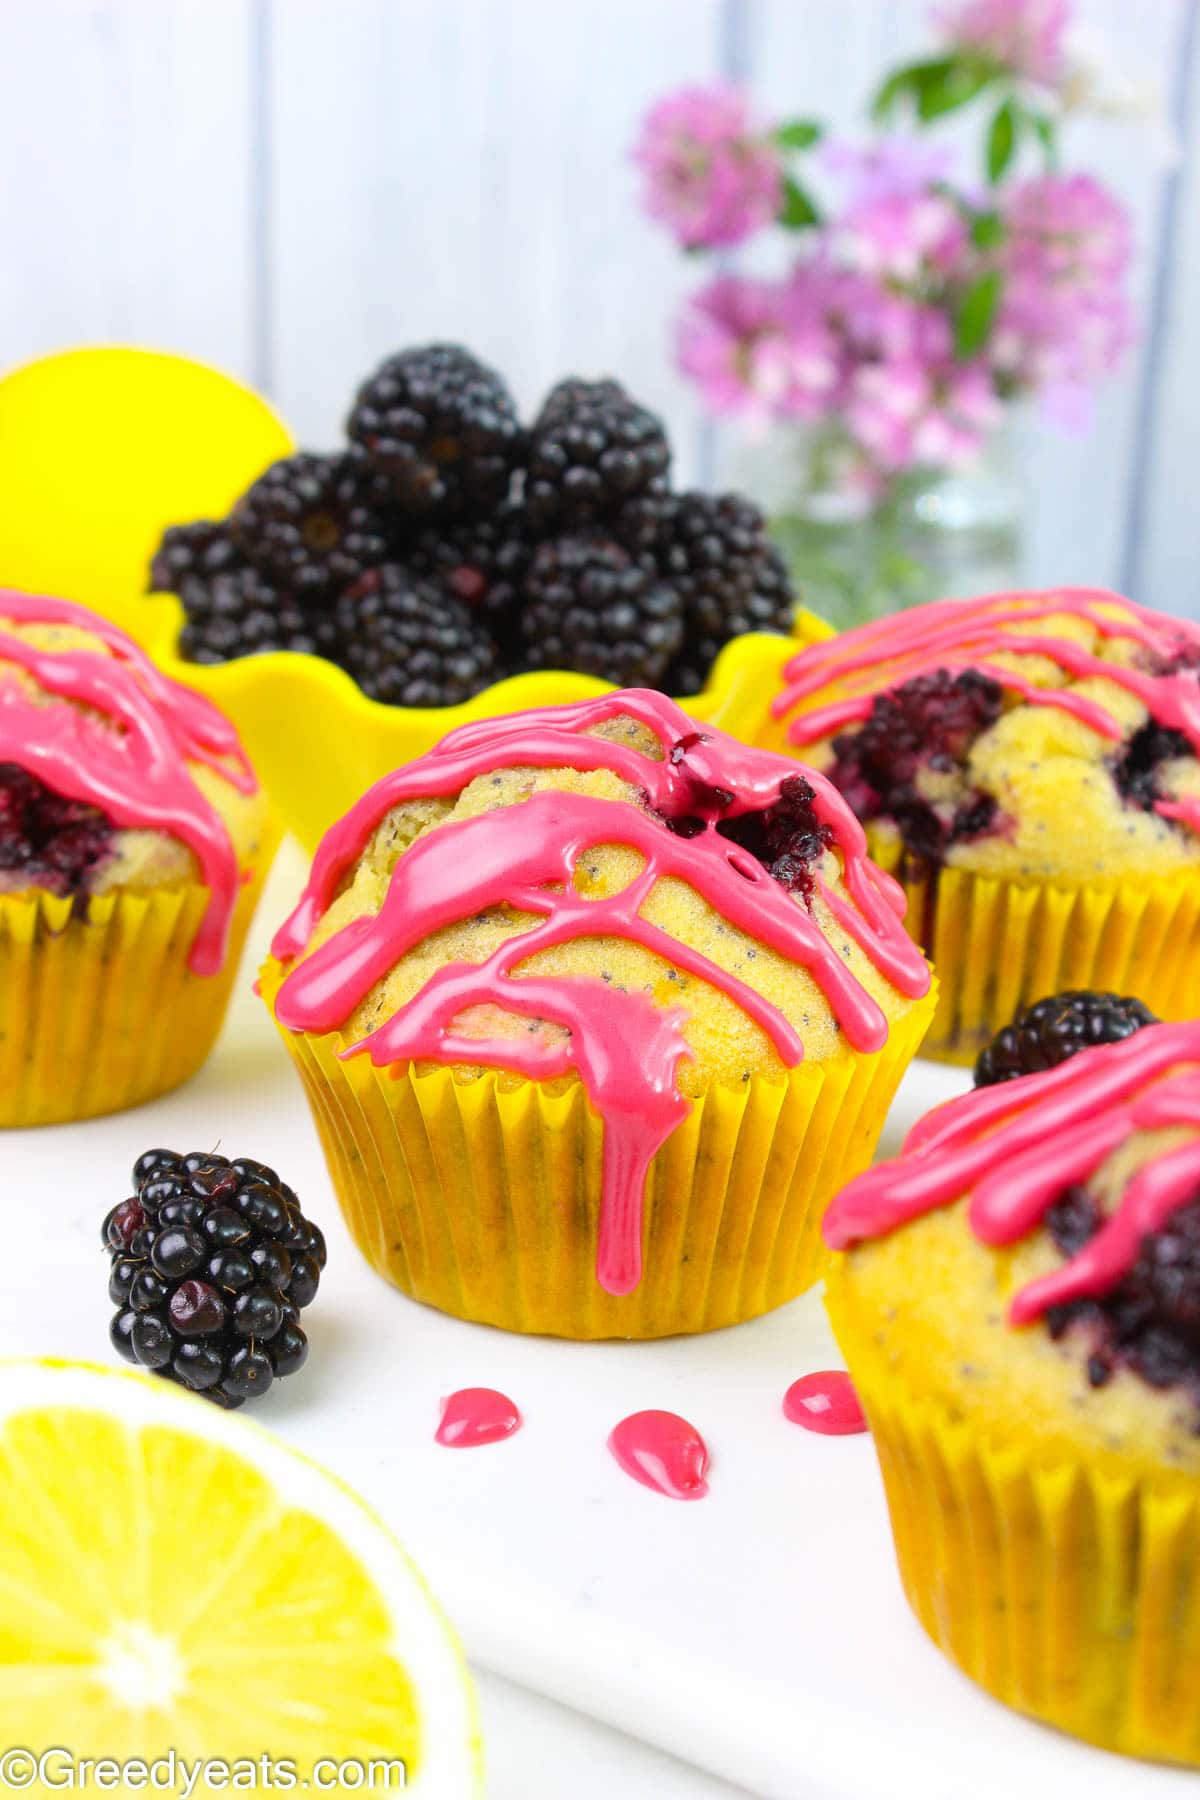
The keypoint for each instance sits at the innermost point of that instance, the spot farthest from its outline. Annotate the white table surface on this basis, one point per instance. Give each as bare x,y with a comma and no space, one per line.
760,1635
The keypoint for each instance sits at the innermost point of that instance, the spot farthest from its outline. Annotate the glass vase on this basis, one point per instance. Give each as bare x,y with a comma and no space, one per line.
932,533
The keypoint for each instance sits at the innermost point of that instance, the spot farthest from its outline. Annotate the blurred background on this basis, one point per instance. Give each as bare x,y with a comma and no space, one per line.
292,189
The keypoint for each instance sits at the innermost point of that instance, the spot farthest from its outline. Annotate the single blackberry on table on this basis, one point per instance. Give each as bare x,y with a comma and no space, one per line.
204,549
481,562
307,524
715,549
211,1263
1052,1030
592,606
597,458
928,722
46,840
408,642
438,431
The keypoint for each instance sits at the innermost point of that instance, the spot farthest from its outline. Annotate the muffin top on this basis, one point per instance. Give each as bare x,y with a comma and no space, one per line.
1039,734
602,892
112,777
1034,1251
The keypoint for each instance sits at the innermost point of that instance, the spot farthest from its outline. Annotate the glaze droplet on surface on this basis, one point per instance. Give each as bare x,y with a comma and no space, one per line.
474,1416
825,1402
662,1451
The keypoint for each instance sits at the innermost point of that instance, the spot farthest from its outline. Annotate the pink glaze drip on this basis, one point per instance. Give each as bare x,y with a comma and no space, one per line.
475,1416
625,1049
663,1452
128,753
825,1402
1017,1146
956,635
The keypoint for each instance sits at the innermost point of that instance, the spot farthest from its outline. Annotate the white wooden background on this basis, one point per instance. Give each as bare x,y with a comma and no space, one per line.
292,188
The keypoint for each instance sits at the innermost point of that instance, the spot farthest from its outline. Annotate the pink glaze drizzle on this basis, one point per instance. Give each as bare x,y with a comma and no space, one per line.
825,1402
625,1049
1017,1146
956,635
663,1452
474,1416
128,753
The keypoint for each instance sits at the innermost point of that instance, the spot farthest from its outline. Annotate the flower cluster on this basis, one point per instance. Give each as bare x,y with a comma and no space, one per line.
914,306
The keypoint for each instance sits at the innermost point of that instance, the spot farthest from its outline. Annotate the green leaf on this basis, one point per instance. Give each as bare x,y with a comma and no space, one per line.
987,231
976,313
894,88
1002,139
943,86
1046,132
799,209
799,134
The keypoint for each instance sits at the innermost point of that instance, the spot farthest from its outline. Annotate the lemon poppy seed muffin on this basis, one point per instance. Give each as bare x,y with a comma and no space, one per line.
1026,764
578,998
132,838
1018,1301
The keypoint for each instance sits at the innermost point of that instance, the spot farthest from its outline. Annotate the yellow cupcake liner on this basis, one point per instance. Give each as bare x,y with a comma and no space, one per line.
479,1194
101,1012
1066,1588
998,943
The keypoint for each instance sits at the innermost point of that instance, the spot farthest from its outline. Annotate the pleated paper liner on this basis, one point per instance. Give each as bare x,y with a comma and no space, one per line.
1069,1591
101,1012
480,1195
999,943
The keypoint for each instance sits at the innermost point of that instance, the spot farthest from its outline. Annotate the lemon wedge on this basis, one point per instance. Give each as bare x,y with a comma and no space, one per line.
174,1581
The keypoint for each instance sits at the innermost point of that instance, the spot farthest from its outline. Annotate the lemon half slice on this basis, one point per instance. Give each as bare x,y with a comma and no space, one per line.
174,1579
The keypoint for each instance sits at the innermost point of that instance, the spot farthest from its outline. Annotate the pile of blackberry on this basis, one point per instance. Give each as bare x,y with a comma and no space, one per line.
449,545
212,1262
1053,1030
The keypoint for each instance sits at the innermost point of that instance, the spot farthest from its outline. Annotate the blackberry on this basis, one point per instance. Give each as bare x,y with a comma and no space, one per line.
46,840
928,722
307,525
592,606
211,1264
786,837
597,458
241,613
1135,770
482,563
439,432
1052,1030
235,613
204,549
408,642
1149,1322
715,549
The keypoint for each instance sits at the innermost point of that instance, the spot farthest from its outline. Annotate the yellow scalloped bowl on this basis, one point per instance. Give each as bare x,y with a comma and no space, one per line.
108,447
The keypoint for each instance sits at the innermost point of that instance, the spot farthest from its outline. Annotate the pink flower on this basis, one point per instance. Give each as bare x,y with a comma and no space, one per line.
1065,318
903,413
752,347
895,222
1025,36
710,177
